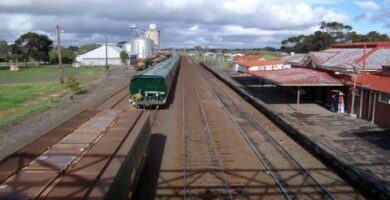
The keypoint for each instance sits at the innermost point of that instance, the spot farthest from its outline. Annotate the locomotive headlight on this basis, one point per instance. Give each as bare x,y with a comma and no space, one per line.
157,95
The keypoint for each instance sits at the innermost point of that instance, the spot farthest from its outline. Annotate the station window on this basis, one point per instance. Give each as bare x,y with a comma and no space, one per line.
384,98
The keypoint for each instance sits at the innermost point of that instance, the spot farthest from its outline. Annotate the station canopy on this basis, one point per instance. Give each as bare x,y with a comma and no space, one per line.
299,77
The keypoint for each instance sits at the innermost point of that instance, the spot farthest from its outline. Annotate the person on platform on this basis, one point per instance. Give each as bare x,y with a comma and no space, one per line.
341,107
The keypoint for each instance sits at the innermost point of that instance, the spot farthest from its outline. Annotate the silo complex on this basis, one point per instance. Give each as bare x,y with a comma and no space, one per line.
142,47
154,34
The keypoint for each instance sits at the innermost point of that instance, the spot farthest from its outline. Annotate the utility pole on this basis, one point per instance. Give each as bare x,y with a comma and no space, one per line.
106,52
59,54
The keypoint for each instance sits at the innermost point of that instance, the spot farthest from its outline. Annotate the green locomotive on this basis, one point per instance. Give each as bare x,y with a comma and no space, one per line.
151,87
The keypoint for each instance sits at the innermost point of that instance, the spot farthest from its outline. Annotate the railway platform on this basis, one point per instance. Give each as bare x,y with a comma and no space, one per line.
357,148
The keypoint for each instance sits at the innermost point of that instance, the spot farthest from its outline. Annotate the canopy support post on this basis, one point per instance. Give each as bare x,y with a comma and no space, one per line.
298,97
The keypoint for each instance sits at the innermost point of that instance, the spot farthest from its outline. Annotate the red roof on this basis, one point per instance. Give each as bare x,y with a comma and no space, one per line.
252,63
299,77
243,58
377,82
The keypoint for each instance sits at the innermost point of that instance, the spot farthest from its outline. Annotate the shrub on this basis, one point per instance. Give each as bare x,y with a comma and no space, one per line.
73,85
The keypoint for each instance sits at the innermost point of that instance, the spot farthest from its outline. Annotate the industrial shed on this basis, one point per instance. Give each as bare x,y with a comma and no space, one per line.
98,56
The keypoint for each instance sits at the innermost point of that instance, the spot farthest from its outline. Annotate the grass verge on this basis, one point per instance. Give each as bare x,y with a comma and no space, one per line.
47,73
19,101
36,89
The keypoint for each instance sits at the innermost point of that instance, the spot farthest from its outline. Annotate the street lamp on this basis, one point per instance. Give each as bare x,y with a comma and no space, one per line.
59,31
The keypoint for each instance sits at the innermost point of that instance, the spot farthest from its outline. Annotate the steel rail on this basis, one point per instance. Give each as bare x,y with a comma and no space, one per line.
210,140
268,136
185,136
111,96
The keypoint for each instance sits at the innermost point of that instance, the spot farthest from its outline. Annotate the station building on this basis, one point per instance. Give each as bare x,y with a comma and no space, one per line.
326,75
372,96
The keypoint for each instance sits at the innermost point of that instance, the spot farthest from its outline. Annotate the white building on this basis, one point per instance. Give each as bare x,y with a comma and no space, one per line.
256,65
98,56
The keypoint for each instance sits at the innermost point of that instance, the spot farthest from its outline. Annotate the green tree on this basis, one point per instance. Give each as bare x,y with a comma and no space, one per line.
124,57
34,46
67,56
88,47
375,36
4,51
73,48
338,31
329,33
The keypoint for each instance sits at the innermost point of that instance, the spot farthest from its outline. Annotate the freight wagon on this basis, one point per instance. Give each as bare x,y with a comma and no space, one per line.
151,87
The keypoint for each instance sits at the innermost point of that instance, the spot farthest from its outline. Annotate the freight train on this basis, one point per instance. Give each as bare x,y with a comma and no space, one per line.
152,86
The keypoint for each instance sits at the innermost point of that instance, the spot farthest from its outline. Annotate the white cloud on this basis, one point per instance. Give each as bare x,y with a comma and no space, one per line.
218,22
371,5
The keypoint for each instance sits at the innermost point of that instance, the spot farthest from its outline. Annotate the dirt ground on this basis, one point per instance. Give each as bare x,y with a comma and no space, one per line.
40,123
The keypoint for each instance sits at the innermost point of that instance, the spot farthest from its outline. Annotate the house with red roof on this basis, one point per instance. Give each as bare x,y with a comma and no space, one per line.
254,63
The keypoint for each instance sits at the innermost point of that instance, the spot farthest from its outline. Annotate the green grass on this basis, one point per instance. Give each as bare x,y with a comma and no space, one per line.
270,56
19,101
225,64
29,90
47,73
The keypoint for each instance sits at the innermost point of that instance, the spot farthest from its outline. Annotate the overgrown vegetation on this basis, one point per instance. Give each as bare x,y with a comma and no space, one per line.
124,57
67,56
329,33
73,85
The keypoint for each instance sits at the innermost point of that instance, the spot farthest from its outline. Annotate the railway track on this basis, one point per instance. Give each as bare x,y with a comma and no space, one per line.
292,179
112,101
217,162
201,156
264,143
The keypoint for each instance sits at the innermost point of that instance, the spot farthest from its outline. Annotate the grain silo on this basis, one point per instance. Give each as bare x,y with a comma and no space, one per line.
142,47
154,34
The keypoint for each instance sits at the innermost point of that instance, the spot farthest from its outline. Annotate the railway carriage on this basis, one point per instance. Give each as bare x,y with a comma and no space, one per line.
152,86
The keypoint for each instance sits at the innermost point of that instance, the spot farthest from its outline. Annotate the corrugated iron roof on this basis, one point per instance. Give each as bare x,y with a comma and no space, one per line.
346,58
252,63
377,82
295,59
299,77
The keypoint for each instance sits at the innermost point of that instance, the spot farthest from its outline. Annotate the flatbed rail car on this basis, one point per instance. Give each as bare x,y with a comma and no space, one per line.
102,158
152,86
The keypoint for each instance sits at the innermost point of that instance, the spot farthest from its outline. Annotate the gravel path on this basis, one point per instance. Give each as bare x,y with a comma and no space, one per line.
40,123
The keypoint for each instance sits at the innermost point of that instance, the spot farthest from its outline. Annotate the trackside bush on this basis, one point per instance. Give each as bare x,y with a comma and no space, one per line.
73,85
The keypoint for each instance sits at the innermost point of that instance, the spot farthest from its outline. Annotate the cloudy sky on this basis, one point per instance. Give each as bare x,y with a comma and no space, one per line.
187,23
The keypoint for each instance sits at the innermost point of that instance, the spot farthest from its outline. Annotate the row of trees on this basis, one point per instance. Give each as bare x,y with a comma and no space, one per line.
38,47
28,47
329,33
